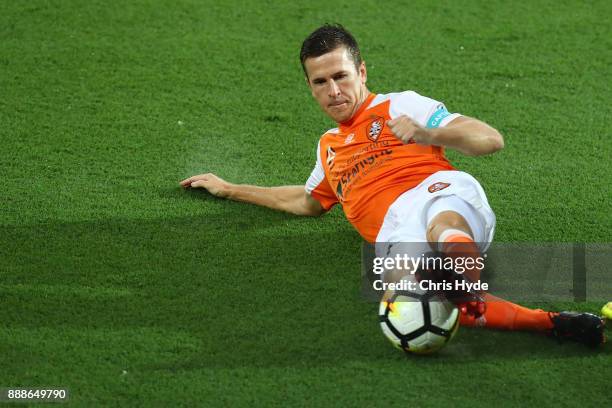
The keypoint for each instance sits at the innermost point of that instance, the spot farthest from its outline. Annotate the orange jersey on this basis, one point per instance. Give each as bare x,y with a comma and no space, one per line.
362,166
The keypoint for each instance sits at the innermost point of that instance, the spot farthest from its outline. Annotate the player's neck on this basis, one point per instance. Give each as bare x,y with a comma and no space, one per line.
359,107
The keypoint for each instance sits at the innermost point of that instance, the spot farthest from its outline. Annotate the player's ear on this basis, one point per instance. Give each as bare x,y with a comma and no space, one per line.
363,72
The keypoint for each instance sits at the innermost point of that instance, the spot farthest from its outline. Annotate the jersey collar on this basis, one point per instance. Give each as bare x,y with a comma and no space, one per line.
344,126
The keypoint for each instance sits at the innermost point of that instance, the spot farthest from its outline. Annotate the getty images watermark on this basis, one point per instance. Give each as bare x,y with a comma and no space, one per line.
522,272
392,272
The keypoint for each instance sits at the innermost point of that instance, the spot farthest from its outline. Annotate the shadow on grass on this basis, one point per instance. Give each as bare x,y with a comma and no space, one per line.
249,288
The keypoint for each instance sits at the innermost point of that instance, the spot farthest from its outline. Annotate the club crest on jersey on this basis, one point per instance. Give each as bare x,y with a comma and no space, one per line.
437,187
375,128
331,155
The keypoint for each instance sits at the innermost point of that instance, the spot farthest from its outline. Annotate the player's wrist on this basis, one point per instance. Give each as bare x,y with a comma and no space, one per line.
228,191
434,136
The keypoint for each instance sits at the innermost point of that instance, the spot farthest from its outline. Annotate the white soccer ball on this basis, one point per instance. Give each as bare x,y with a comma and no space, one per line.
418,322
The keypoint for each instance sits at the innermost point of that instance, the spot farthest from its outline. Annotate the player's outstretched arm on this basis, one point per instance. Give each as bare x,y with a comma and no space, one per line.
469,136
292,199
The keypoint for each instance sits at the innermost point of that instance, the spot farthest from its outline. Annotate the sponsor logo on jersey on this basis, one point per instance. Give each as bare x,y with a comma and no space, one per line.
375,128
358,167
349,138
331,155
437,187
436,118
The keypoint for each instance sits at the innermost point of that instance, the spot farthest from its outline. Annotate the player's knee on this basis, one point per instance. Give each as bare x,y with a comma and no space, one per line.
444,221
432,231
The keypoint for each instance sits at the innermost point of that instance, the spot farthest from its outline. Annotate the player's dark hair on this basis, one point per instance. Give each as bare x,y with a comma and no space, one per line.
327,38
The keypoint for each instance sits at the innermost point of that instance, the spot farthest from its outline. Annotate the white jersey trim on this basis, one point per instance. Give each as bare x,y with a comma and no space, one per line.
418,107
449,119
318,174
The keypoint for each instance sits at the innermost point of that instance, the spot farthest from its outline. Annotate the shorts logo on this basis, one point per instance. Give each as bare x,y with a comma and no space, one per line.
375,128
437,187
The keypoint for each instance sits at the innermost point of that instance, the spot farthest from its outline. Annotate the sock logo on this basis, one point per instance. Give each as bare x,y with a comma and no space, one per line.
437,187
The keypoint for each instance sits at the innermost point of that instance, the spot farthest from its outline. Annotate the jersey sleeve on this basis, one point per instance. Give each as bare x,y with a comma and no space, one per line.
318,186
427,112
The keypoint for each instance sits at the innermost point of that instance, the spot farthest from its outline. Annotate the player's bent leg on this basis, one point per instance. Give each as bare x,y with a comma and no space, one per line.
451,220
454,213
454,228
443,223
451,228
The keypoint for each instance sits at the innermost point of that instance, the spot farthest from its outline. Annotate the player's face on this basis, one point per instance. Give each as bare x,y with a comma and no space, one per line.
336,84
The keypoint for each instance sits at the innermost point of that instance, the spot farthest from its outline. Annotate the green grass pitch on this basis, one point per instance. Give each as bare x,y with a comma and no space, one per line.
129,291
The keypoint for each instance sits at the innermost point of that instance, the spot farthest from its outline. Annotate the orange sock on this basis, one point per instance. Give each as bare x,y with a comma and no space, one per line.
458,244
504,315
500,314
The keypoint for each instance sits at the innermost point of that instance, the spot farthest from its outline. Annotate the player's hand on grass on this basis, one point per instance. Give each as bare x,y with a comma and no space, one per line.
215,185
407,130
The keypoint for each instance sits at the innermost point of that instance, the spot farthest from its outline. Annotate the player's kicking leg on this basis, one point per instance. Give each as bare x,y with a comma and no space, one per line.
451,233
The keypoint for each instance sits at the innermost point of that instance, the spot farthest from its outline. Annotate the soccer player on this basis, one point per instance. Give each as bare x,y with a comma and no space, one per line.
385,165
